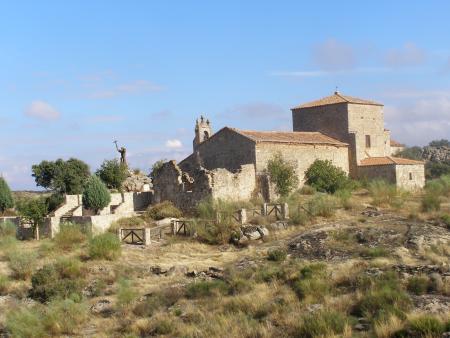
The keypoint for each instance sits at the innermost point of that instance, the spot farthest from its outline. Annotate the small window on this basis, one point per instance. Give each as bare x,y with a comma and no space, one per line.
205,135
368,141
410,176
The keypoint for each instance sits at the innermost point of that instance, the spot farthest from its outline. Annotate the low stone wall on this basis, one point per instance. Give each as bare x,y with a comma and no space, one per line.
385,172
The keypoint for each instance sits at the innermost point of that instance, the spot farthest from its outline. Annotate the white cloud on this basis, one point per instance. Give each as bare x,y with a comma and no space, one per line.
42,110
135,87
174,144
334,55
408,55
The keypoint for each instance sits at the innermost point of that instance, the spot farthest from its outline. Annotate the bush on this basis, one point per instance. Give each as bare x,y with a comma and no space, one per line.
6,199
127,222
4,284
54,201
125,294
202,289
326,177
312,283
344,197
299,217
63,317
426,326
95,195
25,323
277,255
113,173
325,323
307,190
21,264
60,280
418,285
69,236
374,252
8,229
105,246
322,205
384,193
33,210
163,210
446,219
282,174
431,202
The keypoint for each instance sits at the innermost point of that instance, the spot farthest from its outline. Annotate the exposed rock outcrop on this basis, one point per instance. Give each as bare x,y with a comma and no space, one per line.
137,182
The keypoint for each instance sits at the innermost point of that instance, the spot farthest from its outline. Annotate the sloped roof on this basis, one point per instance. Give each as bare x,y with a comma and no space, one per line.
394,143
292,137
337,98
372,161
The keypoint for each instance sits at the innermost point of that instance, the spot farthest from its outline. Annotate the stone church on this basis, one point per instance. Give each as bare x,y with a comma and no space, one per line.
231,163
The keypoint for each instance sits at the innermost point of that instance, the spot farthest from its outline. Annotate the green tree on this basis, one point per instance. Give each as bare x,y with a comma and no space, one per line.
413,153
440,143
326,177
95,195
112,173
34,211
156,167
6,199
282,174
64,177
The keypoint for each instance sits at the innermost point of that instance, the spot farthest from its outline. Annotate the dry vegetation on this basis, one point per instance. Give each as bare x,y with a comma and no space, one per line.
343,268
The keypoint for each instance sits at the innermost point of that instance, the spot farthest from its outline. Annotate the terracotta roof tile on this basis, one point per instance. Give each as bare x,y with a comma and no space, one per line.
293,137
372,161
337,98
396,144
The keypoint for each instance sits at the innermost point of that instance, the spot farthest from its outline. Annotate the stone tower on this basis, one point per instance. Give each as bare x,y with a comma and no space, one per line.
203,131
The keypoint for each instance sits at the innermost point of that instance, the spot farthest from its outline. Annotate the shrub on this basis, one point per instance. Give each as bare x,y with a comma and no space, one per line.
127,222
276,255
113,173
69,236
374,252
62,279
418,285
21,263
105,246
322,205
95,195
163,210
25,322
33,210
426,326
312,282
326,177
325,323
446,219
6,199
299,217
206,289
307,190
4,284
64,316
8,229
54,201
431,202
126,295
384,193
344,197
282,174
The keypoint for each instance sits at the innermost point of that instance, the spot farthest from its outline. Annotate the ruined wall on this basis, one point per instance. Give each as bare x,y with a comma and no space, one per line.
234,186
410,177
331,120
301,156
225,149
385,172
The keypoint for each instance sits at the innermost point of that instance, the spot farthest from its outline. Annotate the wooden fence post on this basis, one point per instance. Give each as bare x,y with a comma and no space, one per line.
285,211
243,216
120,234
147,239
264,210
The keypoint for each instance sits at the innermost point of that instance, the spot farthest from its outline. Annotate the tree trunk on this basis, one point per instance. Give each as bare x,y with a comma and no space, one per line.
36,232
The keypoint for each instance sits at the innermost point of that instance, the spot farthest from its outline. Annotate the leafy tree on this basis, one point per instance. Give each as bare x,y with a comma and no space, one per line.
156,167
436,169
95,195
113,173
64,177
440,143
34,211
413,153
326,177
54,201
6,199
282,174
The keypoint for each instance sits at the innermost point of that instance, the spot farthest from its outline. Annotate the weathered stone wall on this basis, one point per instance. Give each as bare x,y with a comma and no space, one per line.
301,156
331,120
368,120
234,186
225,149
410,177
385,172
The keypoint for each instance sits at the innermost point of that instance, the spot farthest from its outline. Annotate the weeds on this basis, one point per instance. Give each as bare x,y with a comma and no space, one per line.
163,210
105,246
206,289
276,255
21,264
322,205
69,236
324,323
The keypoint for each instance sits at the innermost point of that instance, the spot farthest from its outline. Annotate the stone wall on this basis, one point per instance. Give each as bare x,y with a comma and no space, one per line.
234,186
301,156
331,120
385,172
410,177
225,149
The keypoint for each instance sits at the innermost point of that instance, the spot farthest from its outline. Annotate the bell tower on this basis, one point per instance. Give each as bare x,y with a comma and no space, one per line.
203,131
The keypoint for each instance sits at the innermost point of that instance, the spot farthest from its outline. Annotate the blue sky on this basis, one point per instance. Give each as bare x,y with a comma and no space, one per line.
74,76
